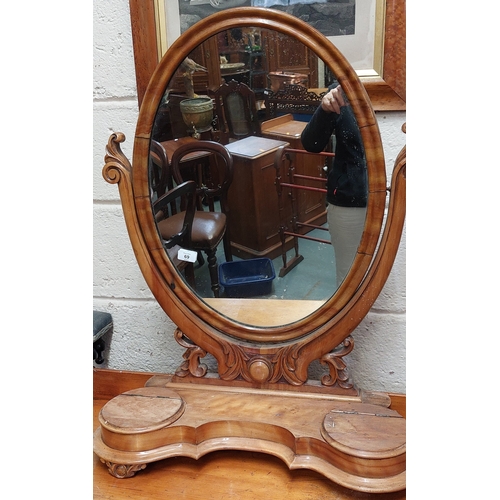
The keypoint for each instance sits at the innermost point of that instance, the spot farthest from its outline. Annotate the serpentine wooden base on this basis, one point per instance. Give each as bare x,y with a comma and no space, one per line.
357,445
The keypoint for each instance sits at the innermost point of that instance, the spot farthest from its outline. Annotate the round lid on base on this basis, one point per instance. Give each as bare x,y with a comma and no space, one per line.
365,430
141,410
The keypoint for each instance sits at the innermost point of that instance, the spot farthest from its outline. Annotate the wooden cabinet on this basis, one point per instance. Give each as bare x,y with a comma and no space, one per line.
287,54
254,218
260,51
247,66
206,55
242,55
310,205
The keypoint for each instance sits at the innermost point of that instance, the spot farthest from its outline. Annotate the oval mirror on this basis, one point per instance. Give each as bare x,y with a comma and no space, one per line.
282,89
245,46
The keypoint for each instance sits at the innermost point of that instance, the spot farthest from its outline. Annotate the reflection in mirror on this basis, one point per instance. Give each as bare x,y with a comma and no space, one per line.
296,202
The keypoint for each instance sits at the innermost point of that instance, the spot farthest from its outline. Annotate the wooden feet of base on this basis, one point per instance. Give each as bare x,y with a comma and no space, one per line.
122,471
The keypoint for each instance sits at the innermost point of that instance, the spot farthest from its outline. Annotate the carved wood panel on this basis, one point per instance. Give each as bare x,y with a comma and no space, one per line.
289,55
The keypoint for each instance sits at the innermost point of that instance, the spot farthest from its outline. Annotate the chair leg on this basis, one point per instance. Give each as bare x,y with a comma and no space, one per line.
213,269
228,253
200,259
99,347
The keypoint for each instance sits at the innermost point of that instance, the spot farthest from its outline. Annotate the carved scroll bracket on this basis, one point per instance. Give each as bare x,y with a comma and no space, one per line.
192,356
337,366
116,163
274,367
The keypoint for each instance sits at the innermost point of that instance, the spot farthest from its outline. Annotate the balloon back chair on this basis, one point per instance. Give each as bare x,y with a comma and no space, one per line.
160,178
176,225
213,179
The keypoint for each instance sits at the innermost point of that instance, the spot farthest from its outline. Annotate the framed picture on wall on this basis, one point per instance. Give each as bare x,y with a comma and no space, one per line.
330,17
377,50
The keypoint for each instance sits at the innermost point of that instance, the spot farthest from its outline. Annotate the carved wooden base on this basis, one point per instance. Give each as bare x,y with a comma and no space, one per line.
357,445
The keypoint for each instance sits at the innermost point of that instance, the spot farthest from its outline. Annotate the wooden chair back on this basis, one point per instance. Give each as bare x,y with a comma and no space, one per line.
175,226
291,98
213,182
159,170
236,110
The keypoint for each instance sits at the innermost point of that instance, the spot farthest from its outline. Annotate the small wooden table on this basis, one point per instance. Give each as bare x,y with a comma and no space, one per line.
174,144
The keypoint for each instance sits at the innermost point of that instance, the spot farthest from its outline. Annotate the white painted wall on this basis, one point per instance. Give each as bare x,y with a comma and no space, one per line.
142,338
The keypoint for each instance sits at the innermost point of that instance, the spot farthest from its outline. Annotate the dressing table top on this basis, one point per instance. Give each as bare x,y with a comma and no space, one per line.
264,312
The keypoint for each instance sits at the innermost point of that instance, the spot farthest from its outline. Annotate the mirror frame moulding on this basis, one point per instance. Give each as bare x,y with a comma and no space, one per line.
387,93
224,338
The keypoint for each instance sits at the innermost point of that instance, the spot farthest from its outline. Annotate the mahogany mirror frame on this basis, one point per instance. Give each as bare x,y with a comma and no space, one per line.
387,93
261,354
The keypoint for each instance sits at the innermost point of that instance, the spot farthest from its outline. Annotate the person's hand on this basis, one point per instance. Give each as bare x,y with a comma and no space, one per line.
333,100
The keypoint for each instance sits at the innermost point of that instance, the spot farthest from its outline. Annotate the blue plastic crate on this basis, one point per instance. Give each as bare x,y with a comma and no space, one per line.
247,278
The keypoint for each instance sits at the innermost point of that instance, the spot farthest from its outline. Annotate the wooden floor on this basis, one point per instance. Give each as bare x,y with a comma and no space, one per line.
219,476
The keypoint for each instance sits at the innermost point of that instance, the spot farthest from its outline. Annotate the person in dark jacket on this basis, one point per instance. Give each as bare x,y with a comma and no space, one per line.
347,183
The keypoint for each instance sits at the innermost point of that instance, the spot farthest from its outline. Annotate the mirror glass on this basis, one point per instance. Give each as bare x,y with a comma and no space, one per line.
287,81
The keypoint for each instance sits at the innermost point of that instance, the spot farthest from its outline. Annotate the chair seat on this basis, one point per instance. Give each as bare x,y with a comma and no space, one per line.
103,322
207,230
171,226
